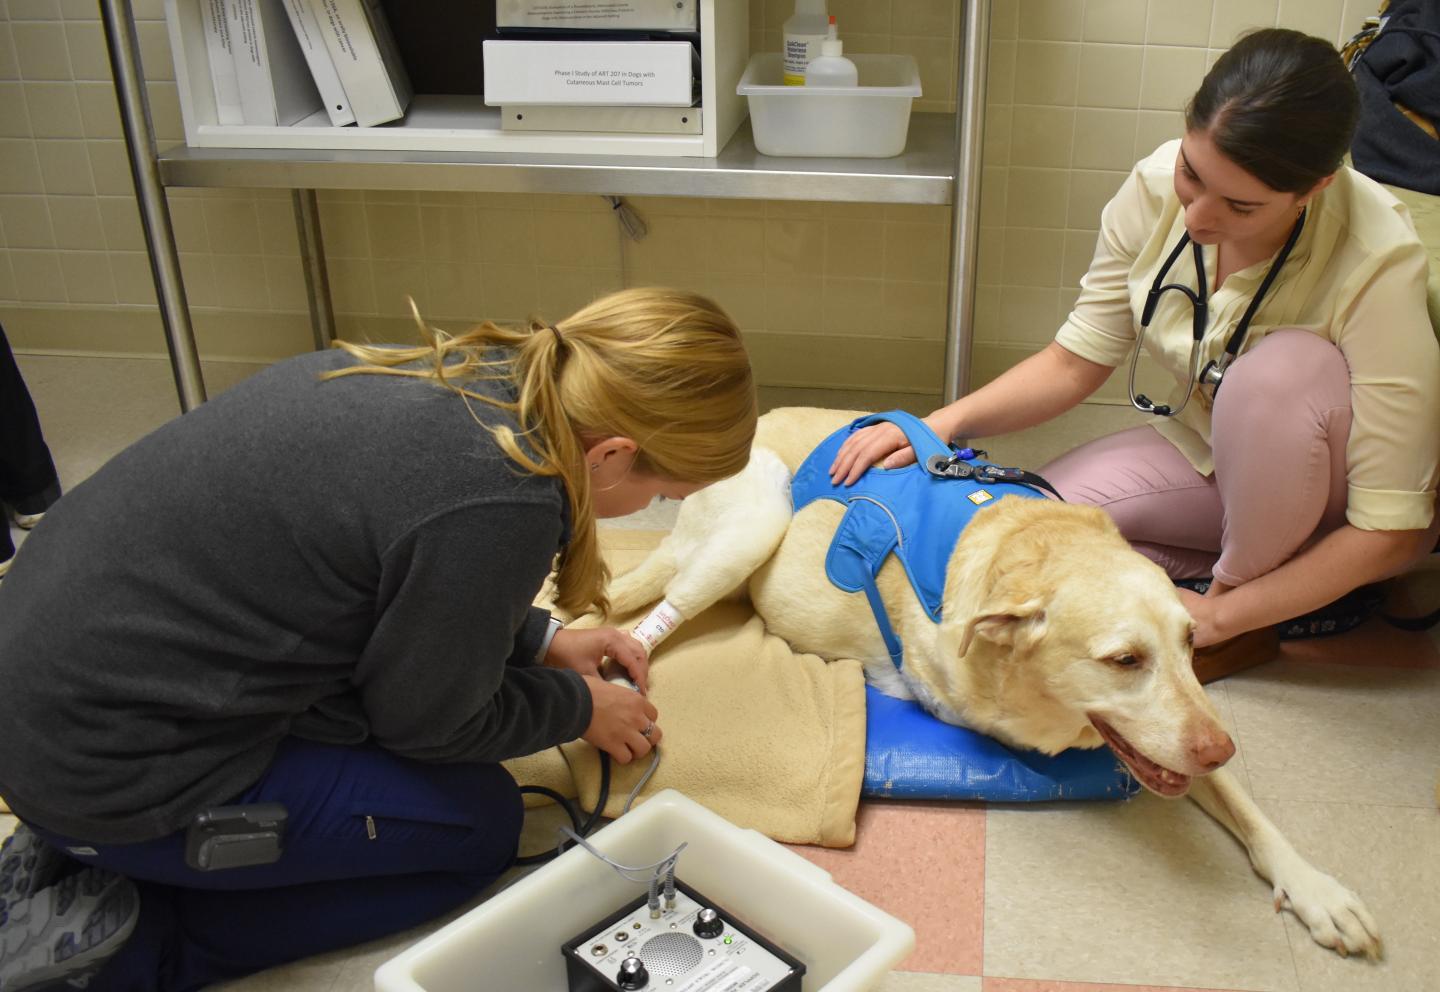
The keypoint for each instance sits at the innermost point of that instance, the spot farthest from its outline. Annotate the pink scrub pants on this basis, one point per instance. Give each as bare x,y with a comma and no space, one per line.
1279,428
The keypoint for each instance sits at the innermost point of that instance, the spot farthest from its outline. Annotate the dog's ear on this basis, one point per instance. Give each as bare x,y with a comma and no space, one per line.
1011,625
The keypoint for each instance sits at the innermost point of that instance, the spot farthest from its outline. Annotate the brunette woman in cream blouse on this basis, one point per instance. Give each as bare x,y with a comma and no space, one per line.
1313,470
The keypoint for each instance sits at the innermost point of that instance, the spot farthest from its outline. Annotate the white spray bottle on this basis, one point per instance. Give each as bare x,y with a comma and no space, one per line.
804,33
831,68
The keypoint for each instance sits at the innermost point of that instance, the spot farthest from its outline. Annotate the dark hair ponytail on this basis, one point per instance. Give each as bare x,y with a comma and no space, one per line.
1281,105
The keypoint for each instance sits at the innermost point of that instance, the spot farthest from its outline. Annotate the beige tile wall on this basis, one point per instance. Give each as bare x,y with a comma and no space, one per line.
833,297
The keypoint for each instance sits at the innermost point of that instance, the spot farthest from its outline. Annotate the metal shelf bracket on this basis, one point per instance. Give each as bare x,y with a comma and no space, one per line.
121,39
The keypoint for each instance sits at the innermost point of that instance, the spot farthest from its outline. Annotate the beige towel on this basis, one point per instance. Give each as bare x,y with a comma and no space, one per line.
768,738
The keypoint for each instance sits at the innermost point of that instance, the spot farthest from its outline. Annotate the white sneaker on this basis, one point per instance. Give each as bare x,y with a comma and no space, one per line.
62,935
25,521
27,865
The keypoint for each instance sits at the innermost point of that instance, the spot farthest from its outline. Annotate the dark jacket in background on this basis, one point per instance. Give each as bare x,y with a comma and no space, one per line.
1401,66
27,473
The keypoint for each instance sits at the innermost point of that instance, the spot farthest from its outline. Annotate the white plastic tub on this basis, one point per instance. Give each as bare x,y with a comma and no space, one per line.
512,941
866,121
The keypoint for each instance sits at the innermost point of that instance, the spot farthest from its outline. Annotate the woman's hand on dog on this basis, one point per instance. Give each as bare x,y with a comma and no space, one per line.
583,651
1203,612
867,446
622,722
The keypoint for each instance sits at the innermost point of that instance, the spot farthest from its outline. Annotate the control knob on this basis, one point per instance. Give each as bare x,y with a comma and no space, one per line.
632,975
708,924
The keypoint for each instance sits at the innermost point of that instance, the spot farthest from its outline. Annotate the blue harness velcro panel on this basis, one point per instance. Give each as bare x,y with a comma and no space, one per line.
909,512
918,515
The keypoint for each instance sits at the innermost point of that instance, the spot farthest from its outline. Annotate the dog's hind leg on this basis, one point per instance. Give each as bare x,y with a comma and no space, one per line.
722,534
1334,915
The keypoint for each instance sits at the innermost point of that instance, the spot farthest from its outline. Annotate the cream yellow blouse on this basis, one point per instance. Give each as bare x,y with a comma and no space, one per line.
1356,277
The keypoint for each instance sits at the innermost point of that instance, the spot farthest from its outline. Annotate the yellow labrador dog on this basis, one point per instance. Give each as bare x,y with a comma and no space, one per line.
1054,634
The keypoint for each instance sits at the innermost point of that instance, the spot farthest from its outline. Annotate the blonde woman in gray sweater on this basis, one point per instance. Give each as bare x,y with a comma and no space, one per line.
315,590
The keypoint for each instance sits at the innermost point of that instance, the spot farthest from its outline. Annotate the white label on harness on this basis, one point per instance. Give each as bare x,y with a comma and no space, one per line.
979,496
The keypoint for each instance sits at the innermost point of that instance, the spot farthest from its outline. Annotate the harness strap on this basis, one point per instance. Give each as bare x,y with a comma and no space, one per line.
913,513
882,620
954,467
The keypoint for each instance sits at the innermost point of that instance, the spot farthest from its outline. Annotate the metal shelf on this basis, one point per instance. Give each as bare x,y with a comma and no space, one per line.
941,165
925,173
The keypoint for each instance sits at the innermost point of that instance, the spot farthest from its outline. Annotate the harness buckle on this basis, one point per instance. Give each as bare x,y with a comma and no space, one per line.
952,467
956,464
994,473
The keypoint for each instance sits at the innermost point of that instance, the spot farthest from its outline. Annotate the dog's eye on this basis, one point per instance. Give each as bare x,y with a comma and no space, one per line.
1125,660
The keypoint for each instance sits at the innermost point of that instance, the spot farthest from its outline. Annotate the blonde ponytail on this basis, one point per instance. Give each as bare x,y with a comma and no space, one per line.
665,368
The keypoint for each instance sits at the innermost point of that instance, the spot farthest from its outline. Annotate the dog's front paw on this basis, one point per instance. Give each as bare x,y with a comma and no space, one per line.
1336,917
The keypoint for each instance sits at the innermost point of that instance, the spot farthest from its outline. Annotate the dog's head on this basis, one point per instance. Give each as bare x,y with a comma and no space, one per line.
1077,638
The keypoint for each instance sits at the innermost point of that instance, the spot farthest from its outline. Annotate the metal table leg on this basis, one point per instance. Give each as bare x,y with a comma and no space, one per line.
965,215
120,38
312,258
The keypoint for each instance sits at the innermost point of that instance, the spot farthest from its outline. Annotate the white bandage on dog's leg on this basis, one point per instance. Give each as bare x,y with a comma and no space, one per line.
661,622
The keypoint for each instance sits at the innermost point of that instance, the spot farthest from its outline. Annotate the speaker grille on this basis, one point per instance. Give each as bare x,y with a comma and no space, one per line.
671,954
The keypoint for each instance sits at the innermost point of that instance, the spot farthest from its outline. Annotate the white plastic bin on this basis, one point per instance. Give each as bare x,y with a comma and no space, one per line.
512,941
866,121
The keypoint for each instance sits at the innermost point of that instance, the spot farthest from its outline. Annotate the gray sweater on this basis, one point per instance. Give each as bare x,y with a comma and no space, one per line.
343,561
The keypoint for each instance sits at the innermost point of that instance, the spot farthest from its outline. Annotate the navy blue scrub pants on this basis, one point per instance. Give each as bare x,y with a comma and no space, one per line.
27,473
375,844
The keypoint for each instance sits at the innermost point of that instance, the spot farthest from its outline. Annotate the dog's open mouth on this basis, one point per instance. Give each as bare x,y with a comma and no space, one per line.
1156,778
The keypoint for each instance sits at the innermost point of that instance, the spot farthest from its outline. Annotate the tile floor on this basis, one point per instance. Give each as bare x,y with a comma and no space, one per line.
1339,741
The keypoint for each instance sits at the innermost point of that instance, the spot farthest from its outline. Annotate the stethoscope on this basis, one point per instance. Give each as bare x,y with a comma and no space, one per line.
1209,378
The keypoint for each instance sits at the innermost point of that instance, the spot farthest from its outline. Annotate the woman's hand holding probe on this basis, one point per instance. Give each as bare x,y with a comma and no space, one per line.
583,651
622,723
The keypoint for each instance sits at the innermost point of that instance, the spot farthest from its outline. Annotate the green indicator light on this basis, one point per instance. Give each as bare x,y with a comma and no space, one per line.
729,939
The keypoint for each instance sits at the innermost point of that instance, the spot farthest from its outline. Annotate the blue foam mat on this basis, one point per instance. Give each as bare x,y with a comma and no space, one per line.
911,755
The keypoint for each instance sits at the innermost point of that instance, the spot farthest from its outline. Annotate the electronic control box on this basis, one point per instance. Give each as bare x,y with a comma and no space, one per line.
692,946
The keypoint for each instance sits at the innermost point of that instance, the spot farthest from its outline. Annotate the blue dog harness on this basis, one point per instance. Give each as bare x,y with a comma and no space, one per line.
916,512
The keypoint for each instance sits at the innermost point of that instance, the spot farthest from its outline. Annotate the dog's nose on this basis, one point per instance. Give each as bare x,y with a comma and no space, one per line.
1211,751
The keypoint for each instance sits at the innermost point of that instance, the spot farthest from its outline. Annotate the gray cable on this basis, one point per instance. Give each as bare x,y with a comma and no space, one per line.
630,220
653,872
629,800
670,886
654,762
